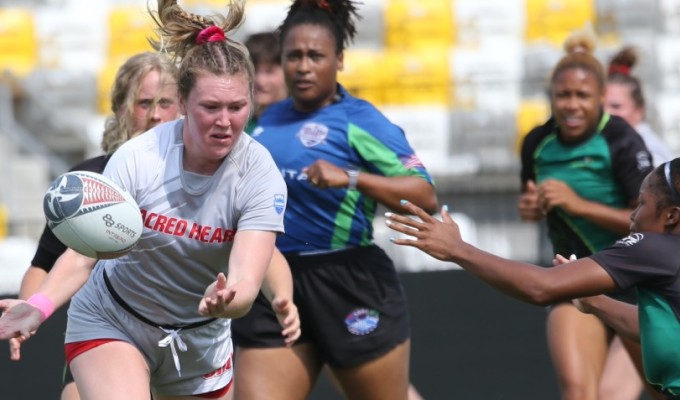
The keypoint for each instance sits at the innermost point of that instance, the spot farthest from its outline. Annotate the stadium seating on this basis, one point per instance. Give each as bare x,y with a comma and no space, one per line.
129,31
413,24
554,20
18,41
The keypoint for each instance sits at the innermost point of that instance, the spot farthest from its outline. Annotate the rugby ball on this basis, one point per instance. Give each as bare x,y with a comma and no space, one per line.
91,214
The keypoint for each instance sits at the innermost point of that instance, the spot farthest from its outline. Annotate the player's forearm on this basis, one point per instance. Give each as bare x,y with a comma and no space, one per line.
67,276
620,316
519,280
613,219
31,281
389,191
278,282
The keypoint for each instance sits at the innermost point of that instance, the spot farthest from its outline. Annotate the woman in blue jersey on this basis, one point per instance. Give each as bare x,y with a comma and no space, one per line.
581,172
644,260
340,158
158,318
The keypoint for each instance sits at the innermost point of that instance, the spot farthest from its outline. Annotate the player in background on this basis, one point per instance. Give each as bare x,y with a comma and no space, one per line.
626,99
270,87
340,157
265,52
581,171
175,170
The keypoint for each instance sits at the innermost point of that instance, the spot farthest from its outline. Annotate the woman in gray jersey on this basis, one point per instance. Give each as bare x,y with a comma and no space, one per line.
212,201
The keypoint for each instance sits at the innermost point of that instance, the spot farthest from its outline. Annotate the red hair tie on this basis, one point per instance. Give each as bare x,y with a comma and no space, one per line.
210,34
619,69
323,4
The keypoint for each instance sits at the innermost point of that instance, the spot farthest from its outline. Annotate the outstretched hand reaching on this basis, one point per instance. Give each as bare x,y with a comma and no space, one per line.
19,320
217,298
437,238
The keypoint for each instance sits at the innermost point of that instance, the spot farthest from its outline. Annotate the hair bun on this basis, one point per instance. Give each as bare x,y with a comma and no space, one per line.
623,61
579,42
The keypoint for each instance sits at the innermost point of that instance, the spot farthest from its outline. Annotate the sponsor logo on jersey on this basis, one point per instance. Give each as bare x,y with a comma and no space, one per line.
643,160
362,321
631,240
279,203
183,228
312,134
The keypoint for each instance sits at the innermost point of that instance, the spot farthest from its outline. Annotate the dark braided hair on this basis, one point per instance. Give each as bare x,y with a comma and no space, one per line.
620,72
335,15
179,33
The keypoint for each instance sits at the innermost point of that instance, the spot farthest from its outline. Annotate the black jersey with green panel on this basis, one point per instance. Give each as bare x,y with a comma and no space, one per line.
607,167
648,261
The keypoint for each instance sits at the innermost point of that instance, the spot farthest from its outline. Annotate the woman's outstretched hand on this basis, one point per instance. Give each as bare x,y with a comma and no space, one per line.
217,298
19,319
440,239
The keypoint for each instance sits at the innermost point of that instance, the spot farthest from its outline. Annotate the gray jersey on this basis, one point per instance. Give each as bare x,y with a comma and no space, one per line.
189,220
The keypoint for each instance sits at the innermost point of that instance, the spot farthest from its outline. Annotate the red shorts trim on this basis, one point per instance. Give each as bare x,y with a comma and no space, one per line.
216,394
74,349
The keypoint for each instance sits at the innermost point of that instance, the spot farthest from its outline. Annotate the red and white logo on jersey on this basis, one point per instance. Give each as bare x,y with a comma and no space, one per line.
312,134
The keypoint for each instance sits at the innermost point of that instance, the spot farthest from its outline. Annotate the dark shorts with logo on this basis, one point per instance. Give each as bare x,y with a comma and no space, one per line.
351,303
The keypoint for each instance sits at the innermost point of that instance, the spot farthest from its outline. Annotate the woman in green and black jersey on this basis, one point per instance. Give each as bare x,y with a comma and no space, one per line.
582,171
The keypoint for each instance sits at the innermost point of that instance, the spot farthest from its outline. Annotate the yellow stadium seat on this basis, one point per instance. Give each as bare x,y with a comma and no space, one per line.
410,23
531,113
18,41
417,76
129,31
105,80
4,221
554,20
363,75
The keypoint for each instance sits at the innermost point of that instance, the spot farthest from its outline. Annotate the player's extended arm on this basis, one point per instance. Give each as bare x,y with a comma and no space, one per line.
278,288
21,318
232,297
526,282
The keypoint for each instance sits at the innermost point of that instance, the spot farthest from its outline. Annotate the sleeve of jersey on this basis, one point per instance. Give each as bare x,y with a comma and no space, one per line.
49,250
123,166
262,193
637,259
382,145
630,158
529,145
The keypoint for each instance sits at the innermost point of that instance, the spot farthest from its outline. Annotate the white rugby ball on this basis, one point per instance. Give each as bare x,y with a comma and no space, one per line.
92,215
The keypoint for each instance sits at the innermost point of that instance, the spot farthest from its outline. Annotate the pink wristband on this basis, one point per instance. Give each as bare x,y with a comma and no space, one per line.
43,304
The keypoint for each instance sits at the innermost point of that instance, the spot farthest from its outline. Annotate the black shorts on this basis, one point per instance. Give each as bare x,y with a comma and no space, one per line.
67,377
351,303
